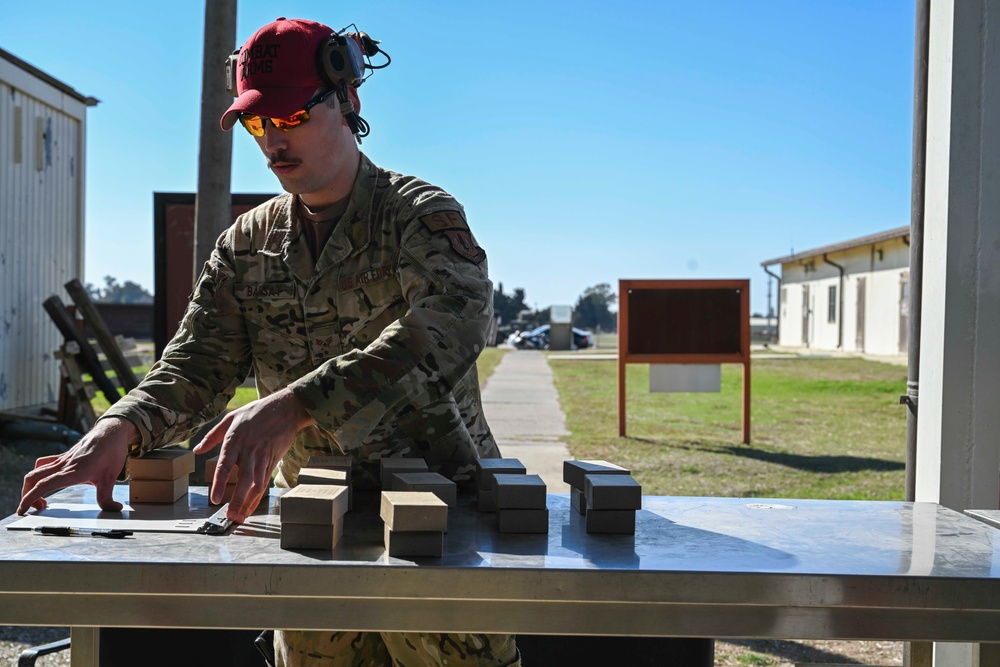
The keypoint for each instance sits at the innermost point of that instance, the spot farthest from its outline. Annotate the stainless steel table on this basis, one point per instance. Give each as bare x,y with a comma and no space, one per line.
696,567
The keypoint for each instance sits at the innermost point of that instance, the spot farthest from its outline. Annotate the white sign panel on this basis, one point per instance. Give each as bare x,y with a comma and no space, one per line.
685,378
561,315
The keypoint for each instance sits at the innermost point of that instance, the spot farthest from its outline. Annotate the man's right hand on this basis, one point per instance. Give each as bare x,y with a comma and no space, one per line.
96,459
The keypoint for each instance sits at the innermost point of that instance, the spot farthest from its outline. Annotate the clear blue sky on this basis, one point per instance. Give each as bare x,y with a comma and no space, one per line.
588,141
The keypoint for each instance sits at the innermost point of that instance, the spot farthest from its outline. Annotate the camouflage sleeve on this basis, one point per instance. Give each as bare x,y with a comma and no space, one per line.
202,365
420,357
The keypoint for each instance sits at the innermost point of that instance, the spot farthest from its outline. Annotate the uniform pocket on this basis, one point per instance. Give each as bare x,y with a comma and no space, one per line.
276,333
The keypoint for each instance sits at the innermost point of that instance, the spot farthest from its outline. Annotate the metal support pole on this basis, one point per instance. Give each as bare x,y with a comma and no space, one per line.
916,654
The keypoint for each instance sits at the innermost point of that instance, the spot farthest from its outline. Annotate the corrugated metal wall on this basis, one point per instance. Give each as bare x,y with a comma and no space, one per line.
41,237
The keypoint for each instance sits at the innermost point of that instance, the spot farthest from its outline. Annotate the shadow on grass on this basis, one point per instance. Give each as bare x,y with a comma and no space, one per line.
795,652
817,463
807,463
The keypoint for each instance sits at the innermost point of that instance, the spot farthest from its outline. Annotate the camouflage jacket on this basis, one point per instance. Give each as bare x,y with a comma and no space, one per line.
378,338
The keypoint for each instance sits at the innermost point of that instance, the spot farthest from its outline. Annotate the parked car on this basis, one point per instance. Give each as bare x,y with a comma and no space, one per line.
538,339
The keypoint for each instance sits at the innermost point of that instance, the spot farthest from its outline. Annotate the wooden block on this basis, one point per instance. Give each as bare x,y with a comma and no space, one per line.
523,520
413,544
519,491
335,476
620,522
332,462
575,471
210,466
330,476
432,482
162,464
486,468
391,466
157,490
313,503
311,536
578,500
486,501
413,512
613,492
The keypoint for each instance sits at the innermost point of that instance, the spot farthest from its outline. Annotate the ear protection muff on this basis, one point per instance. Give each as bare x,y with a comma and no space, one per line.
339,60
232,65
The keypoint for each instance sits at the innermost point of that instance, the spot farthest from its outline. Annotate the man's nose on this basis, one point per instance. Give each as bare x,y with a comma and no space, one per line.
274,139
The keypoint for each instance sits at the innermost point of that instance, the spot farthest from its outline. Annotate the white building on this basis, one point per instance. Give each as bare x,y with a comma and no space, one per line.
851,296
42,158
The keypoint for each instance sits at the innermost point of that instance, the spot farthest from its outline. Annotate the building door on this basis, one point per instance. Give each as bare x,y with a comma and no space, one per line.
859,336
805,315
904,312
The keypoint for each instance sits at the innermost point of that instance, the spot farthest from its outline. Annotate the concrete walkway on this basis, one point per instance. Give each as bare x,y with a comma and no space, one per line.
522,408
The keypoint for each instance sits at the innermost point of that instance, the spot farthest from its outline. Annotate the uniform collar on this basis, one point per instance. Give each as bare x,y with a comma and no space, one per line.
352,234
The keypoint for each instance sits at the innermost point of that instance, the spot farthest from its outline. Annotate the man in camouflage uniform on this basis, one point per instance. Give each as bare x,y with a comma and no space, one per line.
360,300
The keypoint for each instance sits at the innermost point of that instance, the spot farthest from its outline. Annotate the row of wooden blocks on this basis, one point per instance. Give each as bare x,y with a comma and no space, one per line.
505,487
312,517
415,510
605,493
161,476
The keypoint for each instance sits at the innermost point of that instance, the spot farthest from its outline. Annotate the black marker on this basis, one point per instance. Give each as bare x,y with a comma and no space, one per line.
66,531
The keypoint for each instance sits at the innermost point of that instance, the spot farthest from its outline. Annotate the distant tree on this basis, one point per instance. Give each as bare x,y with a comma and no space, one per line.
593,308
113,292
508,307
540,317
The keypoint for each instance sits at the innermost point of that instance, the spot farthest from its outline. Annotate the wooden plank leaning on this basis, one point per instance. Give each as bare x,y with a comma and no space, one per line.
64,321
121,366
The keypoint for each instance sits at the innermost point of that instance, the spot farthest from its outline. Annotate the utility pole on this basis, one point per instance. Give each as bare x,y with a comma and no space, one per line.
213,207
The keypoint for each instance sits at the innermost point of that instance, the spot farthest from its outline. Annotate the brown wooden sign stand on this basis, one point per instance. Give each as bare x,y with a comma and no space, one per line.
684,322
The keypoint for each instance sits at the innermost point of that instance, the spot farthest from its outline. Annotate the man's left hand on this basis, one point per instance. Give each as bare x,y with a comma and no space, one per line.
254,438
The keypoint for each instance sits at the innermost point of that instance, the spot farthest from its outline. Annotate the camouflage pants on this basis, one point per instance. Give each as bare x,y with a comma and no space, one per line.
393,649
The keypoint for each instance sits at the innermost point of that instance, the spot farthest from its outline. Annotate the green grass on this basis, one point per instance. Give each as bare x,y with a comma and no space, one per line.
821,428
487,361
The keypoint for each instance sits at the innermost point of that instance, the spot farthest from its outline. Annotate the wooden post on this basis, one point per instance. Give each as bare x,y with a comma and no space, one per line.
126,378
213,205
745,351
78,393
622,352
66,324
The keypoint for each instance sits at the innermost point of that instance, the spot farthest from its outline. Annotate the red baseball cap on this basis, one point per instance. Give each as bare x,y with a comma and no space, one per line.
276,70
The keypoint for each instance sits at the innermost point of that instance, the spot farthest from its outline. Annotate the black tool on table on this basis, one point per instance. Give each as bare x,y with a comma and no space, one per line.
67,531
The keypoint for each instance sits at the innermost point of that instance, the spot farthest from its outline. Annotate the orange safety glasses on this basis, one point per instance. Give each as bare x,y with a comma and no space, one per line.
255,124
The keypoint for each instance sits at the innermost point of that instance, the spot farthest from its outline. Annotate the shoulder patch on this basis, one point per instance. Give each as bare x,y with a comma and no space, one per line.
463,243
444,220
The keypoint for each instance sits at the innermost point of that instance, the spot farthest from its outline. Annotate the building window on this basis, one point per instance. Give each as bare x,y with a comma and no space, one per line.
831,306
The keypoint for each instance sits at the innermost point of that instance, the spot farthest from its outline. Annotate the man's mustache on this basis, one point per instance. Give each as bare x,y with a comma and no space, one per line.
281,158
